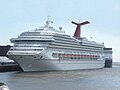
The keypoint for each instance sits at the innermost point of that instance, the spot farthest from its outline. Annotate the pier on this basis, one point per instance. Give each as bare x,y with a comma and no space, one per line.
7,66
4,50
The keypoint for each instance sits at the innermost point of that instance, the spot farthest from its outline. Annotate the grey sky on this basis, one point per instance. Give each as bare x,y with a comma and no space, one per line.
17,16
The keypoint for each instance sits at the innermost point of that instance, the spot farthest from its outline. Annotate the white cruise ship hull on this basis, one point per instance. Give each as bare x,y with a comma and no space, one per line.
30,63
48,49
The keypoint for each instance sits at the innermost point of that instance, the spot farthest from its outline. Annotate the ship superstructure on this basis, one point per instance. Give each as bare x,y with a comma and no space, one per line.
47,49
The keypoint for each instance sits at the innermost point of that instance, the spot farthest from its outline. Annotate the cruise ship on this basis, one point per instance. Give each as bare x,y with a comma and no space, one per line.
48,49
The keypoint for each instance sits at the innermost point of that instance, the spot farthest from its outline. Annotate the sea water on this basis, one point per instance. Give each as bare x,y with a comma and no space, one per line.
100,79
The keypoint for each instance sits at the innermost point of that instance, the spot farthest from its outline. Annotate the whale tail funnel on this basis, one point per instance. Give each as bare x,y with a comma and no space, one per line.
77,33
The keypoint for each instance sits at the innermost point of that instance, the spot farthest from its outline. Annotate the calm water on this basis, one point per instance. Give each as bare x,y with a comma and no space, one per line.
102,79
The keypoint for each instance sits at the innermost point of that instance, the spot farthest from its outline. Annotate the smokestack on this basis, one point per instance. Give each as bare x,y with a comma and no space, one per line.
77,33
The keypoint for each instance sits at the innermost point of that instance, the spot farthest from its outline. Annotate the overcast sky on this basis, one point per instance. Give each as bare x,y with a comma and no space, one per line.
17,16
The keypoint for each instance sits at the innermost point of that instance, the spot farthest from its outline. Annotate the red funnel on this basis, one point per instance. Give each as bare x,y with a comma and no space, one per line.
77,33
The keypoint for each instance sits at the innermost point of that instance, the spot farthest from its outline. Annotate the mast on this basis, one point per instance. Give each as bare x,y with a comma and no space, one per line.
48,22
